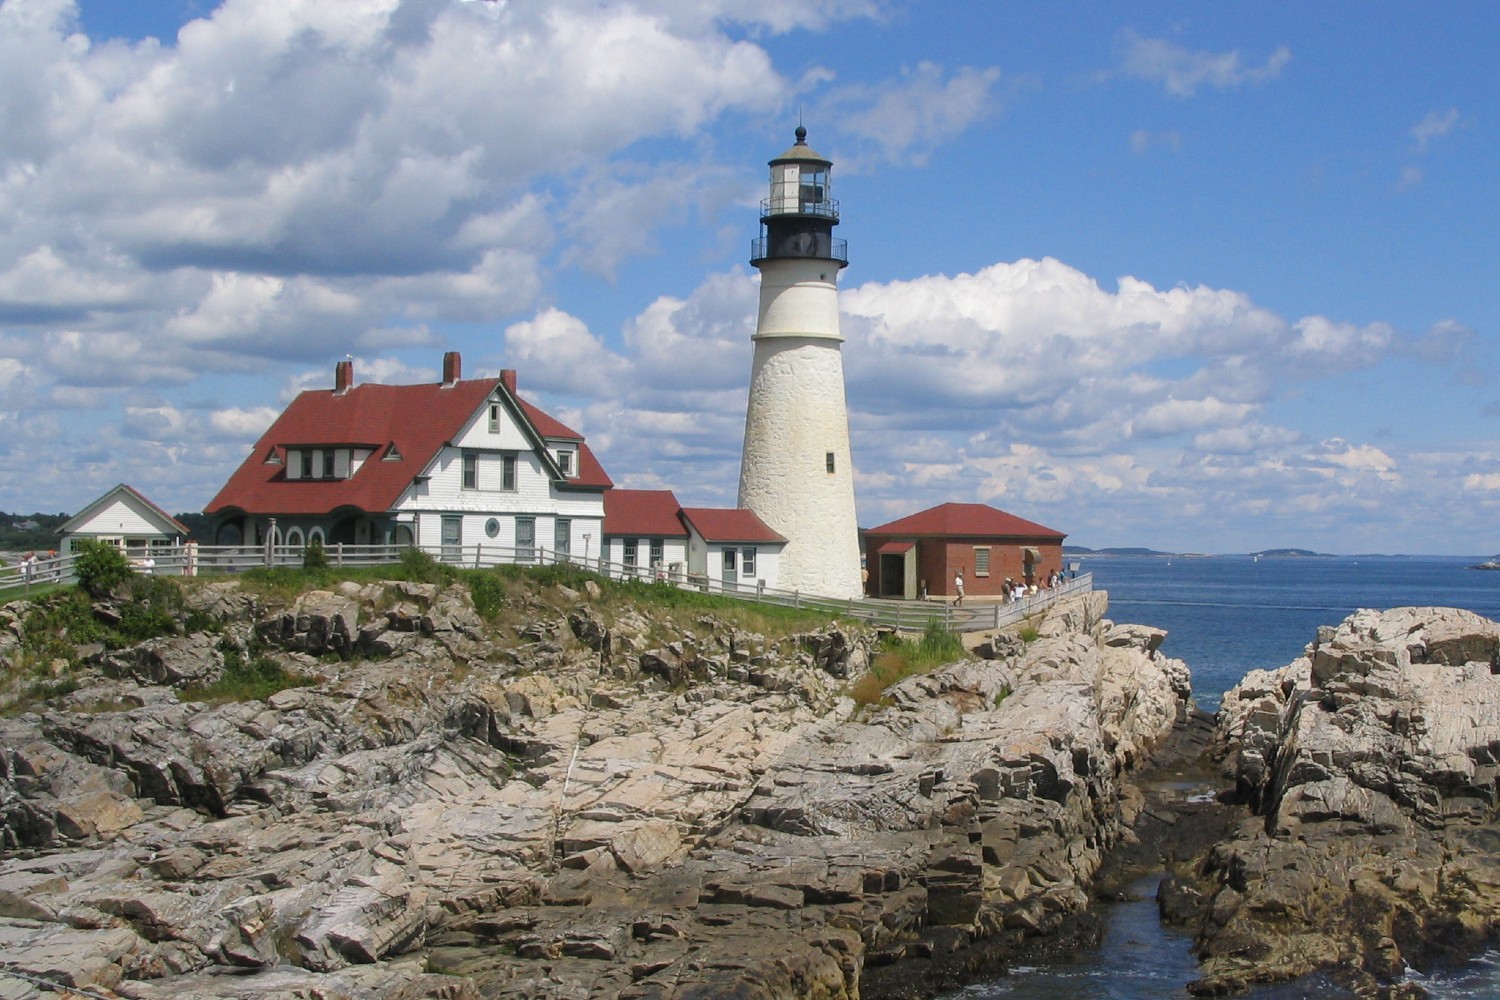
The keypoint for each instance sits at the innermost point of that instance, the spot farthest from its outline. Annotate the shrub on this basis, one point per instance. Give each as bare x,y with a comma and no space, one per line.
151,610
488,592
100,567
314,556
418,566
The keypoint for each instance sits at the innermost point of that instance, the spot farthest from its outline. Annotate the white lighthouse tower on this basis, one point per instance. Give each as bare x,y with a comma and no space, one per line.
795,473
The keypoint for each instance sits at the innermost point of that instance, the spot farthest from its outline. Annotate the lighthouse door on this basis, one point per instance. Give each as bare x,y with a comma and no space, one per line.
731,574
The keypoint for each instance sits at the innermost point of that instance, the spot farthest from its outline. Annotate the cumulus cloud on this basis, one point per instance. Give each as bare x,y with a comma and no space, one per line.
287,176
1181,71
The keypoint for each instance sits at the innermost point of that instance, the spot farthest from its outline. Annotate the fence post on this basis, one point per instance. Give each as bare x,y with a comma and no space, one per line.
338,553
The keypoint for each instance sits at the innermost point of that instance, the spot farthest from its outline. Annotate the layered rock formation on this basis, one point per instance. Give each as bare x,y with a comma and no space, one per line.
586,802
1372,770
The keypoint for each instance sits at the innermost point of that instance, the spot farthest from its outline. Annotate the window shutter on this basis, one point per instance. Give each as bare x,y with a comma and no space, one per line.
341,463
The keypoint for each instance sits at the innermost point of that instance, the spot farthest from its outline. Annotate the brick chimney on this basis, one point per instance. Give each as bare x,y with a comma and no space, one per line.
452,367
343,376
508,379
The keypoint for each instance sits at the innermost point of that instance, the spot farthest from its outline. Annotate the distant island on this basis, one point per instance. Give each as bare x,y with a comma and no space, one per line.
1290,554
1491,563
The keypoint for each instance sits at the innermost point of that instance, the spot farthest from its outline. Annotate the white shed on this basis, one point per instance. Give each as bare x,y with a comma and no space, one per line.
127,520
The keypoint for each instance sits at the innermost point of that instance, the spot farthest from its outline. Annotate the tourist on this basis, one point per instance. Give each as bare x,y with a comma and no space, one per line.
958,589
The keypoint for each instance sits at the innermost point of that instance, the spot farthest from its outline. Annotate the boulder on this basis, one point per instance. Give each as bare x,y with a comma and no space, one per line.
1370,767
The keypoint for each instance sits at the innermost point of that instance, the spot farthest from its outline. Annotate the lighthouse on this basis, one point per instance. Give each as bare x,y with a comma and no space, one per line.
795,472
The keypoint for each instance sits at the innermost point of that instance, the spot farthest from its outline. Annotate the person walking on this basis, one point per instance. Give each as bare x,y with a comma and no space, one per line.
958,589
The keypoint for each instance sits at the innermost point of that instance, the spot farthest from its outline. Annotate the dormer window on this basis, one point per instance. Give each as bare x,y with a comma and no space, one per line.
319,463
565,463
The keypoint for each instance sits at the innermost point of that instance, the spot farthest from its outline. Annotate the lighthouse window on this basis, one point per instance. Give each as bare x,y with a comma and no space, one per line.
828,461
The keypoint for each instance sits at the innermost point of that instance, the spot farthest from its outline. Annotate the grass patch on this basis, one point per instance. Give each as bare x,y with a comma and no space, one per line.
899,658
255,678
1028,633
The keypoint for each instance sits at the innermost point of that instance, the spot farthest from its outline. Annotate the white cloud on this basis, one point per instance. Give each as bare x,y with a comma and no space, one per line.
243,423
1141,140
906,119
559,354
1181,71
1434,125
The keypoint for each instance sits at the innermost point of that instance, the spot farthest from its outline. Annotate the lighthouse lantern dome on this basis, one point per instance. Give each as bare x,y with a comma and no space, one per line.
800,182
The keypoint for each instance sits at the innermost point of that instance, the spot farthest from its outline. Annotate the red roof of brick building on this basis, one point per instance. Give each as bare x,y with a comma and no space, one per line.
966,520
413,422
643,513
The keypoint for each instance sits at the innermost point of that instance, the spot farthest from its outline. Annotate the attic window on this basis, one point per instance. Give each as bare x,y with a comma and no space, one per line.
391,453
273,457
565,463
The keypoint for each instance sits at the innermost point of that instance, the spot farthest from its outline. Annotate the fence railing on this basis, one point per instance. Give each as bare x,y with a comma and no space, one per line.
905,616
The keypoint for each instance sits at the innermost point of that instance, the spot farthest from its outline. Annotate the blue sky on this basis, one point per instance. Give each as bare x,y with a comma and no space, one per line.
1202,278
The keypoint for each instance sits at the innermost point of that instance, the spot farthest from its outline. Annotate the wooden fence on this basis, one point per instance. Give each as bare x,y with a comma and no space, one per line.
211,560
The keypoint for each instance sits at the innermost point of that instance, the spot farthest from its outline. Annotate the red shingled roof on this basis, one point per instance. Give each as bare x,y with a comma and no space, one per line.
967,520
642,513
417,419
731,524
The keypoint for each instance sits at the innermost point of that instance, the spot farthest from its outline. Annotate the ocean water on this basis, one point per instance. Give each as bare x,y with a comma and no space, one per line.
1227,615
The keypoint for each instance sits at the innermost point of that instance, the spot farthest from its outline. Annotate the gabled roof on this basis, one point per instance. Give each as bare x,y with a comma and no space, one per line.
729,524
168,523
642,513
417,420
967,520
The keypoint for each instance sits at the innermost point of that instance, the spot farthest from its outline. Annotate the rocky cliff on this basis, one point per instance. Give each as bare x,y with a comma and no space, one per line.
584,797
1370,769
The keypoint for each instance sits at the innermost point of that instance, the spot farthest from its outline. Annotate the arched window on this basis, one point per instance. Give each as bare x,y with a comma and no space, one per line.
294,536
314,535
402,535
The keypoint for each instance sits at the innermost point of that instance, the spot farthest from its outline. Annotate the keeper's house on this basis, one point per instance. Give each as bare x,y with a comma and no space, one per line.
456,463
922,553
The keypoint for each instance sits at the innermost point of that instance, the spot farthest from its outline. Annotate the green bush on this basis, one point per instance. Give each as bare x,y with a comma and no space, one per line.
152,610
420,567
100,567
314,556
488,592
